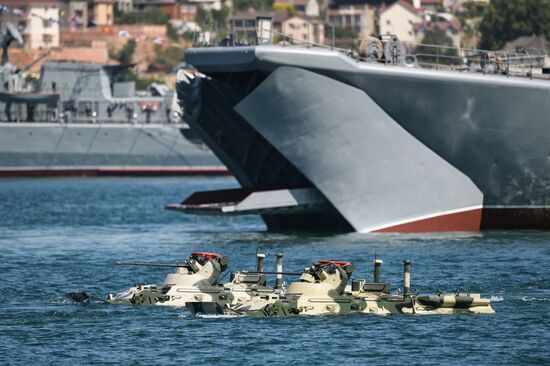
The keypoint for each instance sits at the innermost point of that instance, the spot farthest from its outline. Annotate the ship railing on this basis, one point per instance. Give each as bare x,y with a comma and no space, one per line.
524,62
527,62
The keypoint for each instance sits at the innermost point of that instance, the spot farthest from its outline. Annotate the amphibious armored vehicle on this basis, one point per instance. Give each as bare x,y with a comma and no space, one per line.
196,279
323,289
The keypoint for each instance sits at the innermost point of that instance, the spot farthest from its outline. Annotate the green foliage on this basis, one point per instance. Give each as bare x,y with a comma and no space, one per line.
436,55
152,16
506,20
339,32
244,5
220,17
207,18
168,56
188,36
117,12
473,10
172,33
141,82
203,16
289,8
126,53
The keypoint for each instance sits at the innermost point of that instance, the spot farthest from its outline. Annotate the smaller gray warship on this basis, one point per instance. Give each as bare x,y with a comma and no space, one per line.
83,118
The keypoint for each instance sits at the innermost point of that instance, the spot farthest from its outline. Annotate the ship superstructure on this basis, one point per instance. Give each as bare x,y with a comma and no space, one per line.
320,139
83,118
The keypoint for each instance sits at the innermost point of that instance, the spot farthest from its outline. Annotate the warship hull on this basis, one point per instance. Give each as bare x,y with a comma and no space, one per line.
387,148
101,149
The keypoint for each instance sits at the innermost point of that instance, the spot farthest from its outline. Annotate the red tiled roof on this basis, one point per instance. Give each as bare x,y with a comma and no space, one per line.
407,5
16,3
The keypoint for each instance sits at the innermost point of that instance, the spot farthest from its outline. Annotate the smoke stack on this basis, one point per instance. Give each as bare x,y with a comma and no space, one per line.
407,278
377,270
279,275
260,262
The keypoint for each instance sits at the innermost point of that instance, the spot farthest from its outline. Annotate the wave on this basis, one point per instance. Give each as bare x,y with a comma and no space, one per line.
532,298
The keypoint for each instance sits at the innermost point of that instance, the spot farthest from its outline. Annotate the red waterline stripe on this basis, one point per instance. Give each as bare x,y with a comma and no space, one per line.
113,171
459,221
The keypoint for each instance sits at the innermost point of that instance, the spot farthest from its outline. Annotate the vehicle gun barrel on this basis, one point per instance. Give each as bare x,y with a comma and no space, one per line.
149,264
275,273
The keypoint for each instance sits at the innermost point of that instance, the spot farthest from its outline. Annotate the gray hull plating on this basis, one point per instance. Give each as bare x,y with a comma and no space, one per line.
340,124
492,129
54,146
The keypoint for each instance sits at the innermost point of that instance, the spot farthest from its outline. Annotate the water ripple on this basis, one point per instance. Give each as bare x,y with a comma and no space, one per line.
60,235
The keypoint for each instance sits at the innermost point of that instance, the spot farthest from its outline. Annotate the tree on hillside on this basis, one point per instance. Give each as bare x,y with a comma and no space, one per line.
126,53
506,20
436,55
152,16
203,16
244,5
221,16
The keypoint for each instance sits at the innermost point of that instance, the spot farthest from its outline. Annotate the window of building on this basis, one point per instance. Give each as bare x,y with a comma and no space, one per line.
46,23
388,22
47,38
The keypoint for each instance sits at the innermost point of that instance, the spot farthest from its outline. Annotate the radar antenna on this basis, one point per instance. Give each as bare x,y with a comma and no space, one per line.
11,34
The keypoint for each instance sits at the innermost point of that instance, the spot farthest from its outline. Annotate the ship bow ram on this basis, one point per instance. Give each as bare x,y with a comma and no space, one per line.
315,147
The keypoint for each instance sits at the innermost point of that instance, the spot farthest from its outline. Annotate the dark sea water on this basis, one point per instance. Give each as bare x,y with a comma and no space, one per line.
59,235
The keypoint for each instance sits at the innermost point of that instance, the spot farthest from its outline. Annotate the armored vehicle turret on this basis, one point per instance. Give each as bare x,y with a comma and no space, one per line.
247,292
196,279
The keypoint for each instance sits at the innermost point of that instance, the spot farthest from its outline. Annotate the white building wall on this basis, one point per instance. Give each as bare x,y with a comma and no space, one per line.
312,8
40,32
208,4
302,30
399,21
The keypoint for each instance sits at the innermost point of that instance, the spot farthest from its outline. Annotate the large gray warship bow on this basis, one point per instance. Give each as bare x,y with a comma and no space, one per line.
83,119
319,139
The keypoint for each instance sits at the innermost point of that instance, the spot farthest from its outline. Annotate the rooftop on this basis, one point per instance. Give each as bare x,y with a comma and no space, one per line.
16,3
403,3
